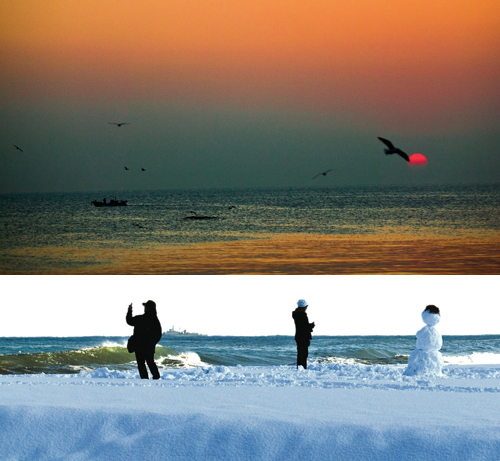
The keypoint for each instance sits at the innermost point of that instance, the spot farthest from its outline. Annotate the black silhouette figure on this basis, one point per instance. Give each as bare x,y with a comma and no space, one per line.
126,168
147,333
232,207
18,148
324,173
303,331
143,169
119,124
393,150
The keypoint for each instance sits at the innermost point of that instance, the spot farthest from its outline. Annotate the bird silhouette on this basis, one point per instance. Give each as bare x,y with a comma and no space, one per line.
232,207
126,168
143,169
324,173
393,150
18,148
119,124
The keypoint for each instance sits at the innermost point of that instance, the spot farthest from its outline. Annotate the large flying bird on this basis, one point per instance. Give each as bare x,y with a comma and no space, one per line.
324,173
393,150
119,124
18,148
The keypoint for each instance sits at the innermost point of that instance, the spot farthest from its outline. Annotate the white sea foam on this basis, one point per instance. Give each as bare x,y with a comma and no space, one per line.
113,344
478,358
339,360
104,344
182,360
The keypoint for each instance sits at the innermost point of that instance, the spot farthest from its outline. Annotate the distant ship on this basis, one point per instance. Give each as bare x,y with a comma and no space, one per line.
112,202
174,332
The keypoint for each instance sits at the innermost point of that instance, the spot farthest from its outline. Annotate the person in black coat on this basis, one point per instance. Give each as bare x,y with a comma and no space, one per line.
147,333
303,331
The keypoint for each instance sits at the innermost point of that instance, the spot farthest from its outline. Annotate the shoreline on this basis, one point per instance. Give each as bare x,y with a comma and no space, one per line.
296,254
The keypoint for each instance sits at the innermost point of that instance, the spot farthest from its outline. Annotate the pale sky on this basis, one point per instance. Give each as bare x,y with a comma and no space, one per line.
248,305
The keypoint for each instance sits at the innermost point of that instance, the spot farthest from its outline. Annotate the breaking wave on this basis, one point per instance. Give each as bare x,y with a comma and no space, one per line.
107,355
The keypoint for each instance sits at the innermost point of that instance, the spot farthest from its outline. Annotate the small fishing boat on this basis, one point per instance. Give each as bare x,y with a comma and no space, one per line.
112,202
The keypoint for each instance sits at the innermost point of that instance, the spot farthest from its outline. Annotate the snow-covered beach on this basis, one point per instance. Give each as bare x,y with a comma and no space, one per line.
329,411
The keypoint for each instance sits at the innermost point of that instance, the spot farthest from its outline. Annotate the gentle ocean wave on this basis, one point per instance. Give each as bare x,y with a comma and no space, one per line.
368,357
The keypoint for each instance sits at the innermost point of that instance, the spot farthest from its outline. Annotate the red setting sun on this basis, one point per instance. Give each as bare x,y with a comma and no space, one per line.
418,160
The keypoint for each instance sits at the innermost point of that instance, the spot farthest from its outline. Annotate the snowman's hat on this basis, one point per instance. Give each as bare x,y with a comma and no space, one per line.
431,315
432,309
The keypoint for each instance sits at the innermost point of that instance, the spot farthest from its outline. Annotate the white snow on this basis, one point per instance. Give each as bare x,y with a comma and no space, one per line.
430,318
330,411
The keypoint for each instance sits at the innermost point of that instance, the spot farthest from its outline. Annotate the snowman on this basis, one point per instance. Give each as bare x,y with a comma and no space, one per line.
426,358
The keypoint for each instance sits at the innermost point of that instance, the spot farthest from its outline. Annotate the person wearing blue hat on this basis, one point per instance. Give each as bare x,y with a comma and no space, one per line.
303,331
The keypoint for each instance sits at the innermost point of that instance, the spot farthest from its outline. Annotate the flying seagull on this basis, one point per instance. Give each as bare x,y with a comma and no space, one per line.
393,150
18,148
118,124
324,173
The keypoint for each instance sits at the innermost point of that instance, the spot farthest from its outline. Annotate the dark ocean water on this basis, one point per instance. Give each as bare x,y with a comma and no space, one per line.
71,355
69,220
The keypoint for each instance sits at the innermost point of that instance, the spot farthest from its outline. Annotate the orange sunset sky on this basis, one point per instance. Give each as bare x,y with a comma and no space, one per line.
255,93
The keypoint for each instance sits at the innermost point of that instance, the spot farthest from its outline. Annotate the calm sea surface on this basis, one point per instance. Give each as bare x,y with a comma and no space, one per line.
64,231
71,355
157,217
